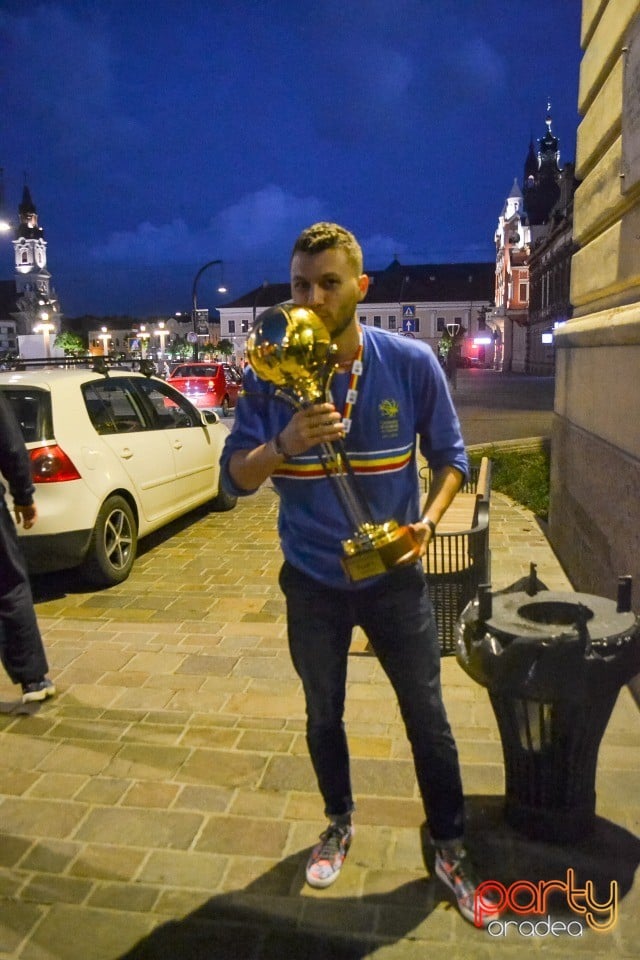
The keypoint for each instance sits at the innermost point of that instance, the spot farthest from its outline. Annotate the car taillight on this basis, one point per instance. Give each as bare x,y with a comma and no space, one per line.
51,465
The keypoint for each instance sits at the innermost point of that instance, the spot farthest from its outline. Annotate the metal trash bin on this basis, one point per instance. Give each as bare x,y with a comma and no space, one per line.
553,664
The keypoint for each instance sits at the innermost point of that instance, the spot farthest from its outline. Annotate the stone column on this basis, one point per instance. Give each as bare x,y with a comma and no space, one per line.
595,484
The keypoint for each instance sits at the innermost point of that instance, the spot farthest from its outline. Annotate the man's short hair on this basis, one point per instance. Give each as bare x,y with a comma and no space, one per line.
327,236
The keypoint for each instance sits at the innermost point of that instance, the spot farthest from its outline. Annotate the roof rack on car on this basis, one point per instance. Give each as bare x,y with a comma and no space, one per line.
98,364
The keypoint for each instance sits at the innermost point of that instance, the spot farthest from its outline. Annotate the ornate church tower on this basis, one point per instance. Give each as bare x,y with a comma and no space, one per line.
542,172
36,300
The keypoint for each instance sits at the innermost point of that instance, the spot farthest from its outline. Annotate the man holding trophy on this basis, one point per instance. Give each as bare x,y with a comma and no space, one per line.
330,412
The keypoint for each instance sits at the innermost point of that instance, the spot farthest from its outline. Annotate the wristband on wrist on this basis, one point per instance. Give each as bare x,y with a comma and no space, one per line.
429,523
279,447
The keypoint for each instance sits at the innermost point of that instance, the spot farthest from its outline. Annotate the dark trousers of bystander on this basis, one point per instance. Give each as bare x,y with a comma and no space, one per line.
21,648
396,614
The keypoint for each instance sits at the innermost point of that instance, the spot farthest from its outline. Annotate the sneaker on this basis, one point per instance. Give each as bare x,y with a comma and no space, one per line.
325,863
454,868
39,690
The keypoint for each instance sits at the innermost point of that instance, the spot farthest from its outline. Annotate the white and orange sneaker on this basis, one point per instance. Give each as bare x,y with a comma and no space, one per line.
325,863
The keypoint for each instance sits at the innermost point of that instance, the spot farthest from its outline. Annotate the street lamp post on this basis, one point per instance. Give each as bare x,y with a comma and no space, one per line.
406,326
105,336
144,338
162,333
46,329
194,301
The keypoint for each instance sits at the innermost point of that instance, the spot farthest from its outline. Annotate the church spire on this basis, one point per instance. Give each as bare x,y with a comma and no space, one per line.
28,214
542,174
35,296
549,151
530,164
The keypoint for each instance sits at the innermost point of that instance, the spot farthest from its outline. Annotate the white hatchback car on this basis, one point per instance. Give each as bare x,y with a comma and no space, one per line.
114,455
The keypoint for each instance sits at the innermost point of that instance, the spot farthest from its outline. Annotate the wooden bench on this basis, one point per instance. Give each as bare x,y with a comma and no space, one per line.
458,558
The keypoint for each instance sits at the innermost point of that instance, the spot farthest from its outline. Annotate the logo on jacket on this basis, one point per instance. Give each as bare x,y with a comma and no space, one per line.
388,411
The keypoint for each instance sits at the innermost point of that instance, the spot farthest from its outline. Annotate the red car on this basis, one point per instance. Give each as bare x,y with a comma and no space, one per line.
209,386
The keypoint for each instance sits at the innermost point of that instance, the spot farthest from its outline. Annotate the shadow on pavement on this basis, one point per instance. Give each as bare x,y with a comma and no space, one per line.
260,923
268,920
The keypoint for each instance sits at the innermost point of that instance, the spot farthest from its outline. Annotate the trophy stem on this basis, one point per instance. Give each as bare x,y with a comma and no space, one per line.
338,469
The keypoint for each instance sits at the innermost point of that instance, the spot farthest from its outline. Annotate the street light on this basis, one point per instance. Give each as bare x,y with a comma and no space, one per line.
162,333
194,302
46,329
143,336
105,336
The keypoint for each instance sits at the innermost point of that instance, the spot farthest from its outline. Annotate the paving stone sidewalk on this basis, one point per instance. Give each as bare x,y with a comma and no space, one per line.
163,804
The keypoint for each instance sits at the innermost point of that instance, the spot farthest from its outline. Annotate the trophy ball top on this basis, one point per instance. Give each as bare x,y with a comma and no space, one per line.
290,347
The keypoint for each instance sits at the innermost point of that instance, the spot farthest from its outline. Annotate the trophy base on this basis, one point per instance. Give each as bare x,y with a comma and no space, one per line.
377,548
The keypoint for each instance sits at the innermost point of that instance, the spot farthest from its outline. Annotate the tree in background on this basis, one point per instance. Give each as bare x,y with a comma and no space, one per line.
225,347
72,344
179,349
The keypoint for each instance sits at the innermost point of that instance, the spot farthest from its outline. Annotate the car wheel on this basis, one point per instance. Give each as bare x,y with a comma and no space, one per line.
223,501
225,407
113,543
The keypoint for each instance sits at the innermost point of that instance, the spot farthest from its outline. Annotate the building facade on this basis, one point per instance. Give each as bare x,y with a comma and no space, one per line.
423,301
512,240
550,280
529,219
594,516
8,334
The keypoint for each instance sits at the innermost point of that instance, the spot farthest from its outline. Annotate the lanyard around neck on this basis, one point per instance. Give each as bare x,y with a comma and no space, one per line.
352,390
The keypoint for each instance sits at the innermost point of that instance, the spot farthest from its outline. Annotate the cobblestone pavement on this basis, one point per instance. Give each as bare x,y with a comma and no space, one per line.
163,804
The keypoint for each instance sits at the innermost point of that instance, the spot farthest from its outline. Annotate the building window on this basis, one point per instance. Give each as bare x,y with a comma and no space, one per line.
392,321
416,324
440,326
363,321
523,292
377,321
232,326
245,326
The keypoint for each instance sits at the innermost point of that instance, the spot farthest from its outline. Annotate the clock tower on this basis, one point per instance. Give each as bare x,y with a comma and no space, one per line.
36,301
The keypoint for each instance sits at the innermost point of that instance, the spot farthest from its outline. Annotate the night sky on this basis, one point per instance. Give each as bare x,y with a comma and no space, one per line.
156,134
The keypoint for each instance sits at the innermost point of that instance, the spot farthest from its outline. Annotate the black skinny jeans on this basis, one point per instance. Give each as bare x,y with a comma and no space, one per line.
396,614
21,649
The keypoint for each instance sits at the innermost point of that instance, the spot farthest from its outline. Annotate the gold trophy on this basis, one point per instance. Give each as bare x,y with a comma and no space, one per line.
290,347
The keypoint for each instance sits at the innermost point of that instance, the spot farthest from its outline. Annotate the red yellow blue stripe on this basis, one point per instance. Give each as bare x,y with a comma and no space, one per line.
365,465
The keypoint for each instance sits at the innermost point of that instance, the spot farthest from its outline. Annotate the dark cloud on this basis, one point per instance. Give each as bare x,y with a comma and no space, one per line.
157,135
256,225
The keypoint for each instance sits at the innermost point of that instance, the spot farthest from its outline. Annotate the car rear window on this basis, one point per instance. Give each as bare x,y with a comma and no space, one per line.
187,371
32,409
